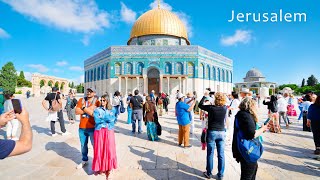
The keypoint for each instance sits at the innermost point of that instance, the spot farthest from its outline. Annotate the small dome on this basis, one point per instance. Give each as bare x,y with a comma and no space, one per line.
159,22
254,73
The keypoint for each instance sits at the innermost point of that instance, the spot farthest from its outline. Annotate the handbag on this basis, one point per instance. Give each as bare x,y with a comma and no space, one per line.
251,150
122,109
156,121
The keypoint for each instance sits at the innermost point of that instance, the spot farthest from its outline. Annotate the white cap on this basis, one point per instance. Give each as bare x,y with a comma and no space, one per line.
245,90
180,95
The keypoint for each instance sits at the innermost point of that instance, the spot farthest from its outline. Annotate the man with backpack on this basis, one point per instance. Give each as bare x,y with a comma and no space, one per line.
85,108
55,111
136,103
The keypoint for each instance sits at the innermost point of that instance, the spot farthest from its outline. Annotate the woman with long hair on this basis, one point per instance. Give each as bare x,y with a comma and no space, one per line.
104,157
247,120
273,114
70,107
216,133
314,122
13,125
129,109
149,111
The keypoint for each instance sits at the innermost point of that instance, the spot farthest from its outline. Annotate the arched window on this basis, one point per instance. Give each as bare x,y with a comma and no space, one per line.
228,80
219,74
214,73
139,68
107,70
190,69
201,70
179,68
208,72
85,76
91,75
231,77
117,68
98,78
128,68
95,74
167,68
223,76
102,72
254,85
243,86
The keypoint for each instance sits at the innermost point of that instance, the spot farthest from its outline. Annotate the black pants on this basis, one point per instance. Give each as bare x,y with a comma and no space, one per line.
61,121
305,127
315,125
248,170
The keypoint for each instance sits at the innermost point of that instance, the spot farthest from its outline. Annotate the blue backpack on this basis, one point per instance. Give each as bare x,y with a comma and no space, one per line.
250,150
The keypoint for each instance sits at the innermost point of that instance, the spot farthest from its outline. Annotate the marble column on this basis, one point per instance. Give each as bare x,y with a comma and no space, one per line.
145,84
160,83
138,83
168,85
126,93
119,80
180,84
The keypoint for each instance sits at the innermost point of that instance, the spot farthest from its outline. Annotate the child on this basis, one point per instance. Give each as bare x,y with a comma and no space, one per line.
204,119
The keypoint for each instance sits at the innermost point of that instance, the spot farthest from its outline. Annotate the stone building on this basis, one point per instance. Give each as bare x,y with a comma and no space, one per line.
159,57
254,81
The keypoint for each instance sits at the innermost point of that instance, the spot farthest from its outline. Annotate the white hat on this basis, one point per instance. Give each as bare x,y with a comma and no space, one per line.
180,95
245,90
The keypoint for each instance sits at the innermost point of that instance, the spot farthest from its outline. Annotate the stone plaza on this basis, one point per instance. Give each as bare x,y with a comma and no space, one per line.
288,155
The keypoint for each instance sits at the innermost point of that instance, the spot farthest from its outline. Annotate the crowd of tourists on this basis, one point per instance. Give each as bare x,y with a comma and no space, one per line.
227,120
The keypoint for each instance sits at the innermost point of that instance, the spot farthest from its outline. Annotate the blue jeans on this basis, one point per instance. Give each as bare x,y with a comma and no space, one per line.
1,110
301,113
84,135
215,138
117,114
129,115
136,116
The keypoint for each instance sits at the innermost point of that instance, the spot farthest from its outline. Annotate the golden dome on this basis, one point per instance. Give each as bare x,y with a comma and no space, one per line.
159,22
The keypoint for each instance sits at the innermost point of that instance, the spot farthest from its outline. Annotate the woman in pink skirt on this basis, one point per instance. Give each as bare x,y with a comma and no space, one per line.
104,157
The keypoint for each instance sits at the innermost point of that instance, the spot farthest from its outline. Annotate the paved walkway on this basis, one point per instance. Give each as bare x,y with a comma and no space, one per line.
287,156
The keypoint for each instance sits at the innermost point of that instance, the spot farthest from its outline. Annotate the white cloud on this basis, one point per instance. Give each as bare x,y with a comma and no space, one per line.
76,68
70,15
28,76
85,40
240,36
61,63
38,67
78,80
182,16
163,5
127,15
4,34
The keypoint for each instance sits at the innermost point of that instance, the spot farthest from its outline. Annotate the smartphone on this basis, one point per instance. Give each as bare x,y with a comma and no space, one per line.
266,122
17,107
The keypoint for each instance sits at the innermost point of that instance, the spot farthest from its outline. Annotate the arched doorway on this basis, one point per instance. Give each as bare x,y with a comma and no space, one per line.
153,80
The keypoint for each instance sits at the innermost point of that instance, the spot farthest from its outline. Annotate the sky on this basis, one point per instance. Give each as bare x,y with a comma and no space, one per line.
54,37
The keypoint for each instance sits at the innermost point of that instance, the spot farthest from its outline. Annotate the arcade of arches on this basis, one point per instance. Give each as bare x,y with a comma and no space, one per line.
42,84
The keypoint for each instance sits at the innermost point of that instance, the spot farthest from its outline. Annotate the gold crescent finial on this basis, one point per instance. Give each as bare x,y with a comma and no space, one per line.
158,4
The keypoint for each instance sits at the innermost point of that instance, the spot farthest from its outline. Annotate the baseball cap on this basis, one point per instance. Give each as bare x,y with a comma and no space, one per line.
180,95
92,89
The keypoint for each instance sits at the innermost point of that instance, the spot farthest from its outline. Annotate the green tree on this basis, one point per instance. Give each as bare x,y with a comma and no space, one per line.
303,82
61,87
80,88
72,85
22,82
41,83
50,83
8,78
292,86
312,81
56,85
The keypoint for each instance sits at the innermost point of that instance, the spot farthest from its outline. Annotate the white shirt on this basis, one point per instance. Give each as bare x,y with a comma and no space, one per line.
116,101
235,106
282,105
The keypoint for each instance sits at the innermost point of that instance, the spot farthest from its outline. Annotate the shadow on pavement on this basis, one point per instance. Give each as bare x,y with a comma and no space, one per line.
65,150
154,162
41,130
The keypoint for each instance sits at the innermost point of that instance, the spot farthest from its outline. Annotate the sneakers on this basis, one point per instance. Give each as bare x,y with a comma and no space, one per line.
207,175
54,135
66,133
82,164
217,177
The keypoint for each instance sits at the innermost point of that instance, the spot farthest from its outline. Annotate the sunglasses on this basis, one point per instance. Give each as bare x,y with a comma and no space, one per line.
103,100
89,91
